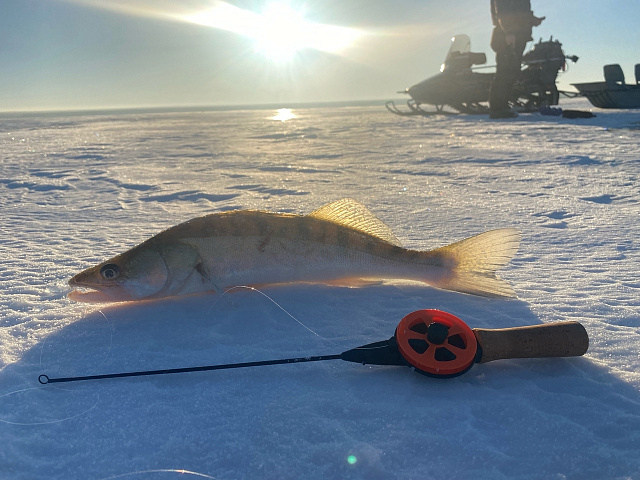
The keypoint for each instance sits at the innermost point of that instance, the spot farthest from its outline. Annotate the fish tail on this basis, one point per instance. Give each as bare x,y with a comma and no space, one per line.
474,261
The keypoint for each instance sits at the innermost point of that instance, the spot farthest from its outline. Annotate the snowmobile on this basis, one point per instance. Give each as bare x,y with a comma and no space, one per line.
461,87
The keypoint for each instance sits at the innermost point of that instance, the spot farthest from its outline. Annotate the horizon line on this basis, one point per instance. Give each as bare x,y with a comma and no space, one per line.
190,108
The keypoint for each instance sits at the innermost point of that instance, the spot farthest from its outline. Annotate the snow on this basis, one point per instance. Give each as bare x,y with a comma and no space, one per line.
77,189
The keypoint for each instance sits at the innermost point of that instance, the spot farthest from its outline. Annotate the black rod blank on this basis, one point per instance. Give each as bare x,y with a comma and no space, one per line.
44,379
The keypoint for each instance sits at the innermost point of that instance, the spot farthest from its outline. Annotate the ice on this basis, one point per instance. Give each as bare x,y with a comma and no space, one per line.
77,189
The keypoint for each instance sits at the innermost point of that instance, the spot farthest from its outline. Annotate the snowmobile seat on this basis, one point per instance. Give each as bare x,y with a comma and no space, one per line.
637,73
478,58
613,75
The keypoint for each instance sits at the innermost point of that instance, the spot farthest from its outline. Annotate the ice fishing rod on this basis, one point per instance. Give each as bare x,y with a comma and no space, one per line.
432,342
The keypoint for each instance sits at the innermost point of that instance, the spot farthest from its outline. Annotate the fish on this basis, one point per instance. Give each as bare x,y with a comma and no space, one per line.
341,243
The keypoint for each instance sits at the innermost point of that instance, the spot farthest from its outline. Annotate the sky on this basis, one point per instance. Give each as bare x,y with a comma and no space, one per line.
93,54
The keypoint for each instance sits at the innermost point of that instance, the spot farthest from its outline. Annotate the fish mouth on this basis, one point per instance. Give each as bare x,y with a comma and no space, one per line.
87,293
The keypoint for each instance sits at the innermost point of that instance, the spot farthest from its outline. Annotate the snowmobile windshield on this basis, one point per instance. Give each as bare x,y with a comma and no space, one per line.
460,44
460,58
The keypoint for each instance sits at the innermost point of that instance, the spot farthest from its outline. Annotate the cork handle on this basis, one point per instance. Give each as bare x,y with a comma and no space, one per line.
565,339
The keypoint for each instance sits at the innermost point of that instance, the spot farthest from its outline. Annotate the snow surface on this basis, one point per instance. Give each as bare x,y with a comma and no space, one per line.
77,189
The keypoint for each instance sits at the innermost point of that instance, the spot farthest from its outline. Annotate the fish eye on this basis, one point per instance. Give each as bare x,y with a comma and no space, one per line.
110,271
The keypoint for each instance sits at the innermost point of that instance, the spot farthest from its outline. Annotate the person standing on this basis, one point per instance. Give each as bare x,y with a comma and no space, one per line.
513,22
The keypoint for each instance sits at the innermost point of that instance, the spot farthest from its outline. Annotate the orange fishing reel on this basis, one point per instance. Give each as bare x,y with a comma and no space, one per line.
436,343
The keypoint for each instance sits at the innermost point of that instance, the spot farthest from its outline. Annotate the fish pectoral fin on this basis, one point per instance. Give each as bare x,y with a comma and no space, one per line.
204,273
206,277
351,213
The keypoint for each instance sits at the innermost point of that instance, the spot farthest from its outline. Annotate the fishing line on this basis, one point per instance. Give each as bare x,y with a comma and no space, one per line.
110,346
160,470
110,336
49,422
284,310
94,394
210,309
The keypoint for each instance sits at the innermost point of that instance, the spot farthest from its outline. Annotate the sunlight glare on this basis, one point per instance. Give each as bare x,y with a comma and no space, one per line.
284,114
279,32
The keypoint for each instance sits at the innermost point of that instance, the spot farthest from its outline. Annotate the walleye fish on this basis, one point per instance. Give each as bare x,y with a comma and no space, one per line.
340,243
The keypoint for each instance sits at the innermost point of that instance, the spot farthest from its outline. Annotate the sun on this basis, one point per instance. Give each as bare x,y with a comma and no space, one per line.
281,32
278,31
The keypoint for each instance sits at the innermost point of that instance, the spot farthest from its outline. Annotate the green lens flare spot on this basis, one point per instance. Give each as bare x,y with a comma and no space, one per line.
351,459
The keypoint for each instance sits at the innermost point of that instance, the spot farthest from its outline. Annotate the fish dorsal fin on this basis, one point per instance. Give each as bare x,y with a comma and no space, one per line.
353,214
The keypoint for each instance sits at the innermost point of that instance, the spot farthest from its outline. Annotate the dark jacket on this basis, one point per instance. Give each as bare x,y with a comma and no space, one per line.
511,17
503,7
